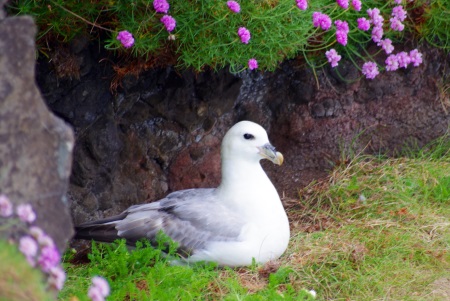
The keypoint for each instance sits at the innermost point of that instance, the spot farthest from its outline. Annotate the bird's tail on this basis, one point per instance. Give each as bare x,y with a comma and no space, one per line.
102,230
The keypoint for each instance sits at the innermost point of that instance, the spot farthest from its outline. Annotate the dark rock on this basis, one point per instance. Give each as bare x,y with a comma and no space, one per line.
35,146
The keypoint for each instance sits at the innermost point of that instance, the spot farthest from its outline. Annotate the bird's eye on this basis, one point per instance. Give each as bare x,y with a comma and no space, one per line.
249,136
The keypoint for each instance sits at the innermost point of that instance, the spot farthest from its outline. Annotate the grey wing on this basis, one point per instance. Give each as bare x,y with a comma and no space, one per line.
190,217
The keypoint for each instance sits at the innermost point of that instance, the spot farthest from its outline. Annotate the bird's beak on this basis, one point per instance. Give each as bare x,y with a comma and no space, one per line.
267,151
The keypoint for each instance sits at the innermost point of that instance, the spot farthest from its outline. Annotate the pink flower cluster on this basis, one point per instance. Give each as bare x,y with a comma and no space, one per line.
370,70
252,64
234,6
162,6
357,5
302,4
398,16
342,3
37,247
403,59
244,35
99,289
333,57
169,22
377,21
321,20
342,31
126,38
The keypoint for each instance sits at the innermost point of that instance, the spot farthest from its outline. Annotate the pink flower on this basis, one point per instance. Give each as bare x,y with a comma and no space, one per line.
341,37
356,5
252,64
302,4
399,13
396,24
56,278
370,70
49,258
333,57
377,34
244,34
342,3
95,294
403,59
321,20
102,285
6,208
126,38
415,57
161,6
169,22
375,18
391,63
386,44
26,213
363,24
29,248
342,26
234,6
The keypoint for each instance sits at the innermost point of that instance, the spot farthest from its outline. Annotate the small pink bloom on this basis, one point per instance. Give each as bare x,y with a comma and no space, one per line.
56,278
415,57
403,59
26,213
386,44
399,13
302,4
342,3
356,5
377,34
363,24
169,22
370,70
94,294
102,285
28,246
244,35
49,258
396,24
161,6
375,18
321,20
391,63
126,38
234,6
252,64
333,57
341,37
6,207
342,26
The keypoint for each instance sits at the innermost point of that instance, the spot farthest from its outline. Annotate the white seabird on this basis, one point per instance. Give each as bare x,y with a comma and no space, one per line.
241,220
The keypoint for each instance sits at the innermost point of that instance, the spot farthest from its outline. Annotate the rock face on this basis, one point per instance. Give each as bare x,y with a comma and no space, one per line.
35,146
162,130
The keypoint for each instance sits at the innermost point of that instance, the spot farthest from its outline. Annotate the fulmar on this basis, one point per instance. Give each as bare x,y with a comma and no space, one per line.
239,221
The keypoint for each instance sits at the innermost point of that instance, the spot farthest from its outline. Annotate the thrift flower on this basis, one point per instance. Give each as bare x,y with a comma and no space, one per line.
321,20
386,44
101,284
56,278
234,6
302,4
377,34
29,248
244,34
370,70
391,63
26,213
341,37
342,26
161,6
333,57
49,258
416,57
126,38
169,22
403,59
252,64
95,294
396,24
375,18
6,208
399,13
342,3
363,24
356,5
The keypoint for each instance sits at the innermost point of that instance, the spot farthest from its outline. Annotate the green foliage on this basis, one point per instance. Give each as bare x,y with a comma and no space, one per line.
18,280
206,32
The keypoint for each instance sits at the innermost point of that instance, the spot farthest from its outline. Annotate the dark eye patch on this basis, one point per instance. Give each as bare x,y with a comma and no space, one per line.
249,137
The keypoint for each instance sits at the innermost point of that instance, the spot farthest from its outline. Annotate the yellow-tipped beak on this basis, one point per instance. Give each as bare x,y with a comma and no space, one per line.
267,151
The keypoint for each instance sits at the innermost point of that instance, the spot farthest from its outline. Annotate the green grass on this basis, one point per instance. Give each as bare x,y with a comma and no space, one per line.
377,229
